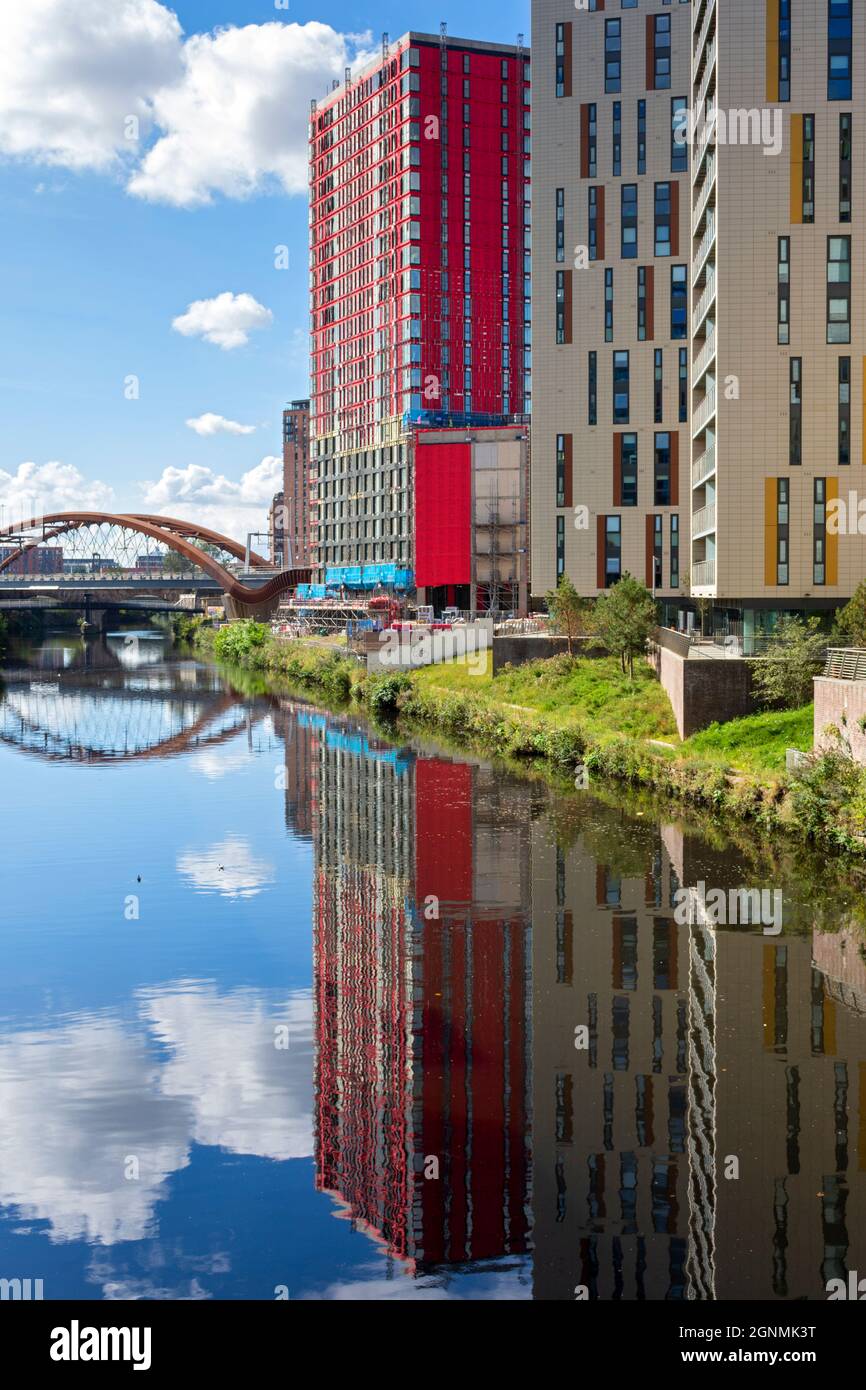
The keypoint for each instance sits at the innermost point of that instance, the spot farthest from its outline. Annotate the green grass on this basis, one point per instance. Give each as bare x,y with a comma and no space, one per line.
756,743
592,693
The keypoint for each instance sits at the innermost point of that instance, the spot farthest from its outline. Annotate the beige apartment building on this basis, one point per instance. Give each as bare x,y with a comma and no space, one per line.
610,251
770,456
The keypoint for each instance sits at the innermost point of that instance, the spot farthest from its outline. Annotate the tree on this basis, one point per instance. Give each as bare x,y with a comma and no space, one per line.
624,618
783,677
567,610
851,620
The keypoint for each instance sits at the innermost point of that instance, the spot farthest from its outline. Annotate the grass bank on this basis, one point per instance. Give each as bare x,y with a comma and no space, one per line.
587,715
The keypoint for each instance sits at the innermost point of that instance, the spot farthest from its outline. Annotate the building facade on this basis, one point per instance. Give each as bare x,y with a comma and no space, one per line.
717,422
610,274
777,277
419,220
297,516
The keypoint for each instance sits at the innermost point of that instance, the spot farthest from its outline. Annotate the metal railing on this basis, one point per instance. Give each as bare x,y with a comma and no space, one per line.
704,520
703,574
704,412
704,467
845,663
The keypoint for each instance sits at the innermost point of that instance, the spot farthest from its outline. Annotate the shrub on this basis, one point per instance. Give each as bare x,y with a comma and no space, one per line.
383,693
241,641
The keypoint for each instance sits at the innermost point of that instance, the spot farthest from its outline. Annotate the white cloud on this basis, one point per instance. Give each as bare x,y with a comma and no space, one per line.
227,320
229,868
221,113
237,122
71,75
196,493
209,423
38,489
218,1079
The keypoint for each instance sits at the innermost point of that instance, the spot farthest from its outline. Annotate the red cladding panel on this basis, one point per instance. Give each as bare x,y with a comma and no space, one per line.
443,514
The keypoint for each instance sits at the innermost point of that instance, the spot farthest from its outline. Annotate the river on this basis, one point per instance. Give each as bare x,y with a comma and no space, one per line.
291,1009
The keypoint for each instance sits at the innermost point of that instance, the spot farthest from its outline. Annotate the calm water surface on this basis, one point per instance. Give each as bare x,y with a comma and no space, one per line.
283,1004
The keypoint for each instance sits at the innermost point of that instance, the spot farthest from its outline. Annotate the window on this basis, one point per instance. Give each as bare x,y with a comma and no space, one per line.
592,141
783,279
819,530
782,530
684,385
594,196
560,224
679,144
844,412
620,388
795,442
563,307
662,470
612,55
675,551
641,136
839,41
662,219
808,168
642,279
784,50
845,166
839,289
628,221
617,139
563,470
628,485
658,543
612,550
658,386
679,301
661,51
592,377
561,61
608,305
560,546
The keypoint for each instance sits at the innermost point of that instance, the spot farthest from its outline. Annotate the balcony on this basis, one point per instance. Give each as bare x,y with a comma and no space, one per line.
707,19
704,574
704,413
702,307
704,521
707,77
704,467
705,247
704,358
707,188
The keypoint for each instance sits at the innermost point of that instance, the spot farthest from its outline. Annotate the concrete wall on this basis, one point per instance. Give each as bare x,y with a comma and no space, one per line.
835,700
703,691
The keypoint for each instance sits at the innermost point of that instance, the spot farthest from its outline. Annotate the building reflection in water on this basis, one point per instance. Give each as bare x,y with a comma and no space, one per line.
451,1039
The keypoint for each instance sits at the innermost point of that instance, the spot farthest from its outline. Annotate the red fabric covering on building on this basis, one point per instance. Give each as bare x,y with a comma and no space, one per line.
443,513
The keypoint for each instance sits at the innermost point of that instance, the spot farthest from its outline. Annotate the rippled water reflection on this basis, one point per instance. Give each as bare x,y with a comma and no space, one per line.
282,1004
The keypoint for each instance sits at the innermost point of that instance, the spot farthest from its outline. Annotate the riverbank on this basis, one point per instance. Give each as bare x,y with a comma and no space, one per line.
585,719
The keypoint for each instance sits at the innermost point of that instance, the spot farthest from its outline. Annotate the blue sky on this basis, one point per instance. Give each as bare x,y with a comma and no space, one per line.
94,272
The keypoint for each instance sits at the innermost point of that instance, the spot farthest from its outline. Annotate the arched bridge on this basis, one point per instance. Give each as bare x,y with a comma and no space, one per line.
105,554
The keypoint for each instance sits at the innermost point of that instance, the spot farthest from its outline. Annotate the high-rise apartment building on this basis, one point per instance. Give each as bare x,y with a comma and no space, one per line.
297,516
778,343
713,336
419,250
611,285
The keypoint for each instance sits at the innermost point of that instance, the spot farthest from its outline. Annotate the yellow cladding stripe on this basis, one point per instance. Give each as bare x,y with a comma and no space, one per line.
831,542
771,532
772,50
796,168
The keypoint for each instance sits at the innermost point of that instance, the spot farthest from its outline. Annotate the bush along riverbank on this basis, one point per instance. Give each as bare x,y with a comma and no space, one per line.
824,803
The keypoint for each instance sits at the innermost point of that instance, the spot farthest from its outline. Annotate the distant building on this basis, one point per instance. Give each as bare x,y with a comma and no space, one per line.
277,529
46,559
296,482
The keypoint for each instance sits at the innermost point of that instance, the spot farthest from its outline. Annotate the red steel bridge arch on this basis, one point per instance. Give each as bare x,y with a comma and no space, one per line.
175,534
